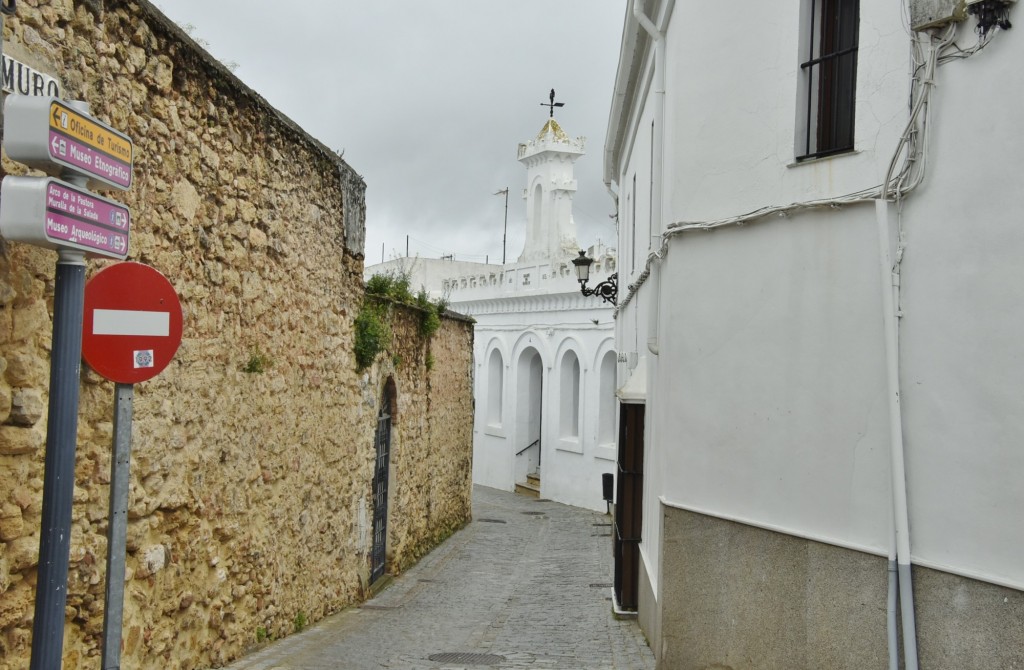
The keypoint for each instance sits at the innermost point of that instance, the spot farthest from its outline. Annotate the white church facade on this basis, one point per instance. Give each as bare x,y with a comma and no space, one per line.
544,359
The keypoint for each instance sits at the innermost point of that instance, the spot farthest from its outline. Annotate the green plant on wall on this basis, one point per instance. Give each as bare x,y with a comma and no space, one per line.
373,327
430,320
373,333
393,285
258,362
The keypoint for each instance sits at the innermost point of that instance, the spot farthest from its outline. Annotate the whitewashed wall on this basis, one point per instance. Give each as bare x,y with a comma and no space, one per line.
766,401
731,124
775,411
963,329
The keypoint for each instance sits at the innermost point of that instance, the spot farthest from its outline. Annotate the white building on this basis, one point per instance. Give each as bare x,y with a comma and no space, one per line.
830,375
544,357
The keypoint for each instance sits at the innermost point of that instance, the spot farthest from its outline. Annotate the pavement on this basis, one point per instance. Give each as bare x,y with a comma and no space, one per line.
527,584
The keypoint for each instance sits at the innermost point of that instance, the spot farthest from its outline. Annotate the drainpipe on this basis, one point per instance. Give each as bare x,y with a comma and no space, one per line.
654,308
892,635
900,515
658,163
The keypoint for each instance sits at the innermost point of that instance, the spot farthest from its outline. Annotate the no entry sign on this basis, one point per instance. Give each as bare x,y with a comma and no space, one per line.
132,323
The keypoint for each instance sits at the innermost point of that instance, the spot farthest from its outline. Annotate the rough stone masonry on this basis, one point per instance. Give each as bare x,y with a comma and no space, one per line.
253,452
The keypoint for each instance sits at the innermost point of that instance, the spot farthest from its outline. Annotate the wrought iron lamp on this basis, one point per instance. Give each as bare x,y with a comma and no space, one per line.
608,290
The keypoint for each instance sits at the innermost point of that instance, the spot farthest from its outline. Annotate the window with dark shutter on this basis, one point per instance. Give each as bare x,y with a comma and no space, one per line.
830,78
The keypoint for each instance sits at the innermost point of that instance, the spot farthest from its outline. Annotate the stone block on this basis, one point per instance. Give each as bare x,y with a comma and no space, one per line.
23,553
29,320
16,440
6,398
27,407
15,605
11,524
25,368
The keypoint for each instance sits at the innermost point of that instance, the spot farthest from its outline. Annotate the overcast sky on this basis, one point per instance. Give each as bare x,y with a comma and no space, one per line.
429,99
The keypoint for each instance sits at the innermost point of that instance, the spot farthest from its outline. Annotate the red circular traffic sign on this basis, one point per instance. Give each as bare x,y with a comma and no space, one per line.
132,323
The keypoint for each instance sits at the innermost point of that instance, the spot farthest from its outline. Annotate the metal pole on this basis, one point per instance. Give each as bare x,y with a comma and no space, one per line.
113,611
59,468
59,475
406,246
504,235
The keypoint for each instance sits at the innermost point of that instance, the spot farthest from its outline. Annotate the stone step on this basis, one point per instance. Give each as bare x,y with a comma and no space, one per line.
534,479
528,489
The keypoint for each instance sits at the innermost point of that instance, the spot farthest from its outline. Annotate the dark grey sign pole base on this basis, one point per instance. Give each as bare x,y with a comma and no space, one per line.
117,532
59,474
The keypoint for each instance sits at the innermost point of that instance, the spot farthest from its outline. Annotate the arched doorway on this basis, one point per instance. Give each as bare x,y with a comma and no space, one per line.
381,470
529,403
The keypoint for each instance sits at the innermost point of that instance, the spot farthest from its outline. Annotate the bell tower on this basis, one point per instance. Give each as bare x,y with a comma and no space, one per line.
550,186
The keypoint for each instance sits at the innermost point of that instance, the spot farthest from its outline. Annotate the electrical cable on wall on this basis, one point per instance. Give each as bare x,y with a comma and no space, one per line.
912,146
990,14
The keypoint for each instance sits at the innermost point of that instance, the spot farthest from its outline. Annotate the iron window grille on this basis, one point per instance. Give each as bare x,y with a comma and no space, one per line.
830,74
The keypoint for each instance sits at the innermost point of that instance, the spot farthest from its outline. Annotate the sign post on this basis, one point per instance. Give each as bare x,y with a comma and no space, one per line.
59,475
117,528
61,138
131,327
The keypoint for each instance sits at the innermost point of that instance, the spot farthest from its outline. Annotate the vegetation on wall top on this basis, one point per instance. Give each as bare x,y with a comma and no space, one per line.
373,323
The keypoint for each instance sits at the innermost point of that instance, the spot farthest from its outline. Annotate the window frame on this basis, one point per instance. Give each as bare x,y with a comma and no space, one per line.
829,74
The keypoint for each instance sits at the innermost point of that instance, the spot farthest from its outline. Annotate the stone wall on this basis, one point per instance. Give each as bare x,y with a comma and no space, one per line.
430,482
252,453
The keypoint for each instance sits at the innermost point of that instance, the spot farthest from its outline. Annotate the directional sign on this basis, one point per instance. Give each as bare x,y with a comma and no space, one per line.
50,213
47,133
132,323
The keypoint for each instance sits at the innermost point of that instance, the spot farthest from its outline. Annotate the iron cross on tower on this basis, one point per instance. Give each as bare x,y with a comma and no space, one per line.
551,105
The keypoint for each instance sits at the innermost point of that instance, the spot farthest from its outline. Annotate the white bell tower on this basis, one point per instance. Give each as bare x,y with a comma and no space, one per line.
550,186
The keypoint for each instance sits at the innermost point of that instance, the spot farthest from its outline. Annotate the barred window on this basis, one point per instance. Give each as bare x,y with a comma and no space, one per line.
829,85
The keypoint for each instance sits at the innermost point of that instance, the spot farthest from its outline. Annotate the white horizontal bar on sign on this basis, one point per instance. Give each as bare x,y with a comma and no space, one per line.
130,322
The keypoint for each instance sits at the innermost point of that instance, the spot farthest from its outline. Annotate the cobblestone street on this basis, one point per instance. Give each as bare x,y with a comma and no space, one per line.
525,585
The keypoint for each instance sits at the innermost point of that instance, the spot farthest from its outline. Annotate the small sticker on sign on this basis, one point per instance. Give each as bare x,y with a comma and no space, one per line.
144,359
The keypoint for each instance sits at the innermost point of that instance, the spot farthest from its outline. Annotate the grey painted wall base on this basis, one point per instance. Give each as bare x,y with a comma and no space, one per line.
964,623
737,597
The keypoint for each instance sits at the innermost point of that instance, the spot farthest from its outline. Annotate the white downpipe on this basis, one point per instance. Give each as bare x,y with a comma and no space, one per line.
645,22
901,518
893,581
654,308
890,613
658,165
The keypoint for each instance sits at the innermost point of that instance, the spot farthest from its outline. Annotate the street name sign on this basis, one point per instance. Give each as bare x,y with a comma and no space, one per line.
22,79
132,323
50,213
48,134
